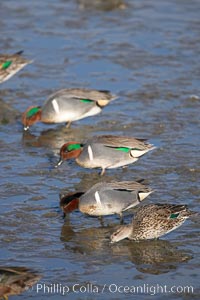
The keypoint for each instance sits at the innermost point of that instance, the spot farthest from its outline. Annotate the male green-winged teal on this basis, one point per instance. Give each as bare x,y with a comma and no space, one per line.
105,152
106,198
67,105
11,64
152,221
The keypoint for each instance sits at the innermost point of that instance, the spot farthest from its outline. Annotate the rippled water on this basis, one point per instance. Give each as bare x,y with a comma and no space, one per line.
148,53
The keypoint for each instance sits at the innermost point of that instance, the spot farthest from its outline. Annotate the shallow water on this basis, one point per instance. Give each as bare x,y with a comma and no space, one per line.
147,52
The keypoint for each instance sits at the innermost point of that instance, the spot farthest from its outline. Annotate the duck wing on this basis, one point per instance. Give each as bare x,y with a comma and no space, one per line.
84,94
123,141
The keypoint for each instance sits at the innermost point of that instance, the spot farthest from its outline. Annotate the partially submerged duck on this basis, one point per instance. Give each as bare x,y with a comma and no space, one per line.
105,152
66,106
106,198
153,221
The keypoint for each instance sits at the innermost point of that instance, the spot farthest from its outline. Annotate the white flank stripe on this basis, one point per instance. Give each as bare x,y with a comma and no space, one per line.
91,157
97,198
55,106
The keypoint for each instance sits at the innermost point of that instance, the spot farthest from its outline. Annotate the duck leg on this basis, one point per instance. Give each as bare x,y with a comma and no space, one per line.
102,172
68,124
121,219
101,221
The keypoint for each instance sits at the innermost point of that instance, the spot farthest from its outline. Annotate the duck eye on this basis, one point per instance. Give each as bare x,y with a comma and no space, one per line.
66,149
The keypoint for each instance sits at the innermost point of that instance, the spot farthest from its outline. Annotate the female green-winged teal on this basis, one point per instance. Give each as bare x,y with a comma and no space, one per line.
15,280
68,105
11,64
105,152
152,221
106,198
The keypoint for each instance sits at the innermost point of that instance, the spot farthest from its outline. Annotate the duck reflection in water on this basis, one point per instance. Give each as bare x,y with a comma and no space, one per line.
101,5
54,138
8,114
90,240
15,280
153,257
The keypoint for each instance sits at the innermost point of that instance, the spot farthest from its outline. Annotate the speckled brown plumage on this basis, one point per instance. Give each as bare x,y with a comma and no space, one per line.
10,64
152,221
15,280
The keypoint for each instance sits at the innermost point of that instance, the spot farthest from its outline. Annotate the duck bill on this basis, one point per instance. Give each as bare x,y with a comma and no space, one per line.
121,233
26,128
59,163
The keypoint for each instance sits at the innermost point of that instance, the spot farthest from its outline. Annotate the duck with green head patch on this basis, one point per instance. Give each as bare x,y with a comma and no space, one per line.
106,198
10,64
152,221
105,152
68,105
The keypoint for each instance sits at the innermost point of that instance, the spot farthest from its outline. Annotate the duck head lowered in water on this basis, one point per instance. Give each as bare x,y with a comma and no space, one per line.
68,151
106,198
31,116
70,202
68,105
152,221
105,152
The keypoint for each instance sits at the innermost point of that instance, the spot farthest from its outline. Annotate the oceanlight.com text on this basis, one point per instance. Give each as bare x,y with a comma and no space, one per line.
113,288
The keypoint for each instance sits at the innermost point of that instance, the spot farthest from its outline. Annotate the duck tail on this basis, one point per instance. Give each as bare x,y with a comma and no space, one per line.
19,52
194,216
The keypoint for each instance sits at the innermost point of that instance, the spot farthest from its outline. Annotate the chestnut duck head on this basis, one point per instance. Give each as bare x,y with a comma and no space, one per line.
31,116
69,150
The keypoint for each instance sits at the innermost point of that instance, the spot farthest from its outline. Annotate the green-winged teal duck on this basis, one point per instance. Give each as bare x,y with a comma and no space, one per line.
105,152
67,105
106,198
10,64
153,221
15,280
